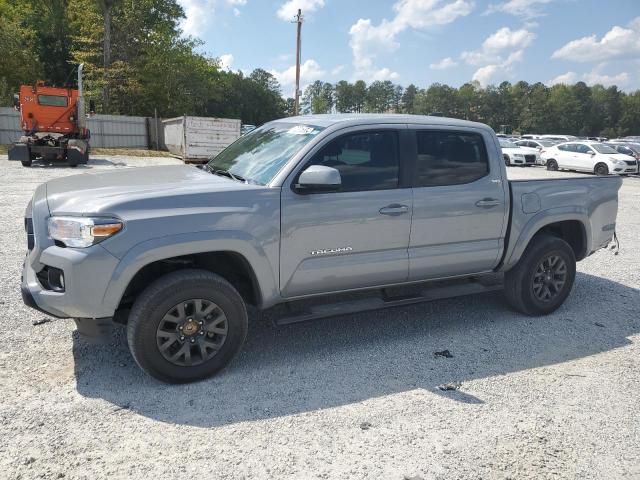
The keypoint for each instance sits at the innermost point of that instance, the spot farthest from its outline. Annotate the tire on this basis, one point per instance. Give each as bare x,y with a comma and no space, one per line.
507,161
523,282
26,163
601,169
147,326
552,165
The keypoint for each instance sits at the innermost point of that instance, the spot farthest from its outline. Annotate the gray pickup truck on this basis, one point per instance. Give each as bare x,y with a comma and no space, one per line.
357,211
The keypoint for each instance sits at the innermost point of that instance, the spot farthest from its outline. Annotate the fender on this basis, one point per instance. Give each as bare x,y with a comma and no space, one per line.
516,248
191,243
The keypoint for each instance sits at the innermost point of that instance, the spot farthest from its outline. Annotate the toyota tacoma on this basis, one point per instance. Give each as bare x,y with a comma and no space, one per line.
357,212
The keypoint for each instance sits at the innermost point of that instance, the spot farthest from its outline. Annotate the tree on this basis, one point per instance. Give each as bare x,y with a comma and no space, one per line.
344,97
318,98
359,95
409,99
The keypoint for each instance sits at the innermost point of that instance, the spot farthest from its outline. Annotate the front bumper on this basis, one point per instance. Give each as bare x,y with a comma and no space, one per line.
87,271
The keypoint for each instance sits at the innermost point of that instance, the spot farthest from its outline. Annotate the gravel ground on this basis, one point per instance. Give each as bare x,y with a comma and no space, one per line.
351,397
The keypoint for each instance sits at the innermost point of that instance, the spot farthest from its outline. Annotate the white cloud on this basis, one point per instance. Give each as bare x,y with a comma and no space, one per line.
369,40
485,74
617,43
621,79
498,53
507,38
197,14
310,71
289,9
568,78
384,74
444,64
226,61
592,78
519,8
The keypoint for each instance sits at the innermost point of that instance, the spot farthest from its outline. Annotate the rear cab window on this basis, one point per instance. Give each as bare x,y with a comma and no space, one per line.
449,157
52,100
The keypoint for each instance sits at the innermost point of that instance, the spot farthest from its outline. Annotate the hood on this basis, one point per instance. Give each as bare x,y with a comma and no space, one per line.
527,149
516,150
133,188
619,156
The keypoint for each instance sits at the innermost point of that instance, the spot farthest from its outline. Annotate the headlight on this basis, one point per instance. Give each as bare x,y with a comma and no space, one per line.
82,231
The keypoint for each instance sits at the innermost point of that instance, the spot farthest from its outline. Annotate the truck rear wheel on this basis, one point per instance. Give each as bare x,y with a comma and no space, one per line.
26,163
542,279
186,326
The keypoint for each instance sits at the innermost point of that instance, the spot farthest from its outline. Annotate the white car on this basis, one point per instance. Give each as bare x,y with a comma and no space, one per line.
515,155
536,147
591,157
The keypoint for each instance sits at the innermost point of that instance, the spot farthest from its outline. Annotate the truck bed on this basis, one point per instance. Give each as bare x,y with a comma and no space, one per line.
591,200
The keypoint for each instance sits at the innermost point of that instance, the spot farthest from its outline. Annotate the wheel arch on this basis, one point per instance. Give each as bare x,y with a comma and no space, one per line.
239,260
571,227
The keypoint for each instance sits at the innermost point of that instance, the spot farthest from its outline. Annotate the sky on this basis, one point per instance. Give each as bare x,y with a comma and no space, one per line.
425,41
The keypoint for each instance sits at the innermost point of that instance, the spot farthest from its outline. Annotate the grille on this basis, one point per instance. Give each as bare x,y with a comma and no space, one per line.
28,227
631,163
530,158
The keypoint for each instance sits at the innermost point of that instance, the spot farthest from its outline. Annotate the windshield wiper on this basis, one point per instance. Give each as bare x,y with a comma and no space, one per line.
225,173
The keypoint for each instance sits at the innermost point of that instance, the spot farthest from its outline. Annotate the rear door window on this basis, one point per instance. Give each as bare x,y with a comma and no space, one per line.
450,158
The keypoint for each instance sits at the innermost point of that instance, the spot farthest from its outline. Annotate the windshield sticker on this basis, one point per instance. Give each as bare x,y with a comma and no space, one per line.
302,130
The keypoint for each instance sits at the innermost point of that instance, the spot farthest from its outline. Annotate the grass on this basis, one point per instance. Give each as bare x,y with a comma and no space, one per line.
131,152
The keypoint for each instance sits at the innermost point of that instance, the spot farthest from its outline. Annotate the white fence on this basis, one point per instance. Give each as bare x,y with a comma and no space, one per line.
107,131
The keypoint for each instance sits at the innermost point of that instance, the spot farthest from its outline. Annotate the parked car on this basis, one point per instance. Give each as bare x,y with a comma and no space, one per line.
515,155
630,149
304,207
558,138
588,156
536,146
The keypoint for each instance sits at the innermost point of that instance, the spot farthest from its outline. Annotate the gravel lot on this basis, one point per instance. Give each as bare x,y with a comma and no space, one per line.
350,397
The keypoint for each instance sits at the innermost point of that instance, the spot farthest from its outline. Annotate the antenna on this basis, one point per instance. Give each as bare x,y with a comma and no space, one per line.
298,20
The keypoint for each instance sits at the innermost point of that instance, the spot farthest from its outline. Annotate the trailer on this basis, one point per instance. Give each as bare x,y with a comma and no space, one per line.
196,139
53,123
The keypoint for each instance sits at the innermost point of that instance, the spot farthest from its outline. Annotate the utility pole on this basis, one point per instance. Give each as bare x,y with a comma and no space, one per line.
298,21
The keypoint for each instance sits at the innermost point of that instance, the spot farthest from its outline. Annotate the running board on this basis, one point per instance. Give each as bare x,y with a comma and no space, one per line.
427,294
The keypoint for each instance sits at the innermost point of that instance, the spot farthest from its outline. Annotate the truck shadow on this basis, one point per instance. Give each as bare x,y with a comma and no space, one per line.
327,363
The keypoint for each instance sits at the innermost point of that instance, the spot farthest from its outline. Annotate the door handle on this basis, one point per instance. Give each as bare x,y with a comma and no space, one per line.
394,209
487,203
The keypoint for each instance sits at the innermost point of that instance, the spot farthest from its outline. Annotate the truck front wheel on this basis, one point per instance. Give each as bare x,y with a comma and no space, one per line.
542,279
186,326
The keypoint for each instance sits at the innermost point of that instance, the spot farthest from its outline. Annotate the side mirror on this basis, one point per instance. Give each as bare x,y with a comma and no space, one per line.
592,153
318,178
16,101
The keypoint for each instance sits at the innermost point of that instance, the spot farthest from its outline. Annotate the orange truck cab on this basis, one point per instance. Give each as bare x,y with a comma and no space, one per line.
53,124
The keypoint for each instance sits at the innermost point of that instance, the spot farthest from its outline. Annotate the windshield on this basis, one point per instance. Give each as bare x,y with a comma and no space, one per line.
603,148
506,144
259,155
